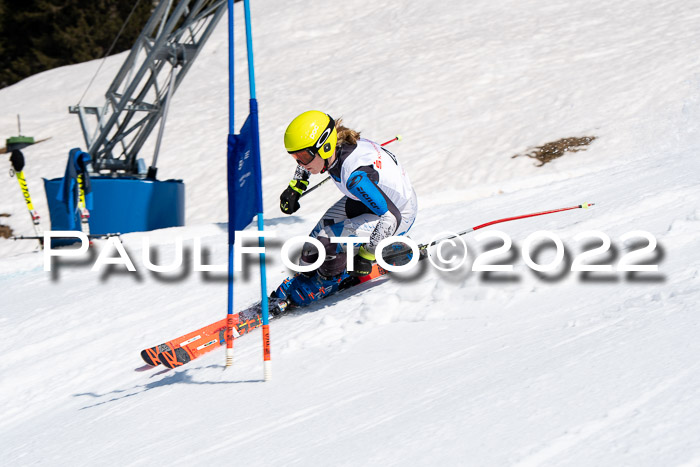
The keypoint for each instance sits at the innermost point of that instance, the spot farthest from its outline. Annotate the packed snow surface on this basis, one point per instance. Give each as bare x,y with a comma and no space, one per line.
425,367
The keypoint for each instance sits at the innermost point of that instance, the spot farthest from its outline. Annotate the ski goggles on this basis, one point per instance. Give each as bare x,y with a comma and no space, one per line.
304,156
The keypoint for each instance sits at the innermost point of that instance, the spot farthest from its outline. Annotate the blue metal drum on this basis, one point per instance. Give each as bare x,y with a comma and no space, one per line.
122,205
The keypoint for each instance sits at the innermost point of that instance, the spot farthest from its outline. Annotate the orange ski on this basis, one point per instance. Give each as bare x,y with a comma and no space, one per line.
206,340
202,340
190,346
150,355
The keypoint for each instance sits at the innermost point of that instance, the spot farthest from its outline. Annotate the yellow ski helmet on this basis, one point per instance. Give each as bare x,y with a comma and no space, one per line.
312,131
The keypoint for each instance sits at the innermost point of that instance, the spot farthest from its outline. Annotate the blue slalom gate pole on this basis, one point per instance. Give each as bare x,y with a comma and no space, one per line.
267,362
231,130
249,48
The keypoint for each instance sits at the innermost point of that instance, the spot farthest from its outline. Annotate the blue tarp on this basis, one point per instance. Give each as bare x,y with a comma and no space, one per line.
69,191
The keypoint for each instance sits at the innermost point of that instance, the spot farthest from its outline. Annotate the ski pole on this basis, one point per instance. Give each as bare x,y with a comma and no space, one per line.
395,138
84,213
17,161
425,246
315,186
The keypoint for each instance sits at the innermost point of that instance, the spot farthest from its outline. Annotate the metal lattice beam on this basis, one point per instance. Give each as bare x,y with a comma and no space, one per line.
137,98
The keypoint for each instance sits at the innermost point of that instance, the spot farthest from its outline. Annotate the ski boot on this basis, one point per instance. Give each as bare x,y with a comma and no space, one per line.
302,290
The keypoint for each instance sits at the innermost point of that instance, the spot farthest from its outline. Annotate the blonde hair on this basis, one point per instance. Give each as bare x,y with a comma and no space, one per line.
345,134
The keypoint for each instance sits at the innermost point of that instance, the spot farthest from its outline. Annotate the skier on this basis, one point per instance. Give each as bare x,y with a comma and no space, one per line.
378,202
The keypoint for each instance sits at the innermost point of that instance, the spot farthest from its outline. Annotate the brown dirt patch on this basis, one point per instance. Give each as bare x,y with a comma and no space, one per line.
556,149
5,230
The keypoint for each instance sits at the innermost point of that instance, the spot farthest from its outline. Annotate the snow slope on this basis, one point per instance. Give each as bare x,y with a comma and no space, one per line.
426,367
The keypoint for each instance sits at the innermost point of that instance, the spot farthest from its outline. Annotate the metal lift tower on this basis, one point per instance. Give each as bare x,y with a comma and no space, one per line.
141,92
125,197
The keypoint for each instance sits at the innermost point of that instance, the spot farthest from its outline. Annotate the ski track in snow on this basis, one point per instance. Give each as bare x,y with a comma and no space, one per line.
428,367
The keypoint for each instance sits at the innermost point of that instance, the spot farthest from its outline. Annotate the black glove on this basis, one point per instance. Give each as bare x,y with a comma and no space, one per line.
363,263
289,199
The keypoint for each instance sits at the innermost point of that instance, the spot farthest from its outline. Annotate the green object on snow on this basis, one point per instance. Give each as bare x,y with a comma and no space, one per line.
18,142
